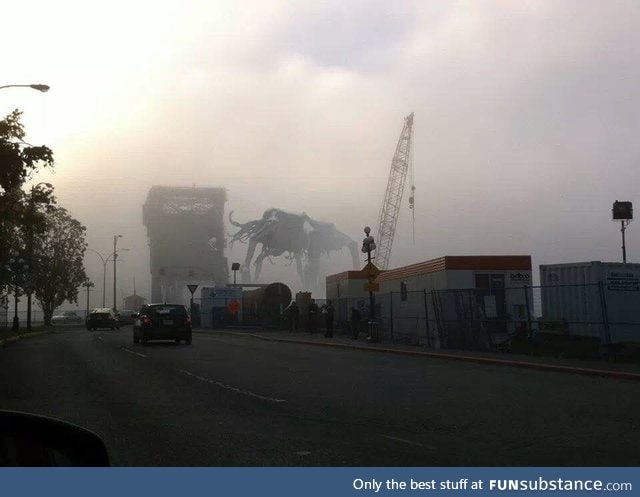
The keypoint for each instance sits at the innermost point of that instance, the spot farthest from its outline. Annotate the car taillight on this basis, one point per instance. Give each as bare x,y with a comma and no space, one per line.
187,321
146,320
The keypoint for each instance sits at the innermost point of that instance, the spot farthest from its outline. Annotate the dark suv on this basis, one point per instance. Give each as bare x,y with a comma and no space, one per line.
162,322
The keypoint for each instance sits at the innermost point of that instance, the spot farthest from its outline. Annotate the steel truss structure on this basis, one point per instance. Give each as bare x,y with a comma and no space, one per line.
185,227
393,195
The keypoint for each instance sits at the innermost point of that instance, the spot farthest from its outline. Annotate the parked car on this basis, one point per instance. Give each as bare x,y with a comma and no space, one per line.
125,316
66,317
162,322
103,317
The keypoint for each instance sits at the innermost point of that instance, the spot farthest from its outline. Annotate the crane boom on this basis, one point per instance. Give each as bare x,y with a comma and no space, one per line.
393,194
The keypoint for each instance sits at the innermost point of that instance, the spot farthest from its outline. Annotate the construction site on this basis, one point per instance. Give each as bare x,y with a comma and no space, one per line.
468,301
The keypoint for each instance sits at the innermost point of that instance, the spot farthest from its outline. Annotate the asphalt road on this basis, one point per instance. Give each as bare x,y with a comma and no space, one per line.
236,401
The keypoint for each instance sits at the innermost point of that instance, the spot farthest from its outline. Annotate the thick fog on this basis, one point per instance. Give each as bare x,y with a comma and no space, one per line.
526,118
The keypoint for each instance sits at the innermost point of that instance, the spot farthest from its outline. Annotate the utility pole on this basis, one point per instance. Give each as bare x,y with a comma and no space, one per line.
18,267
30,220
368,244
88,285
235,267
104,284
624,246
104,273
623,212
115,260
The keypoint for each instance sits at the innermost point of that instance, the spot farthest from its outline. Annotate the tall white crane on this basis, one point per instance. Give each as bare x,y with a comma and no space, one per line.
400,166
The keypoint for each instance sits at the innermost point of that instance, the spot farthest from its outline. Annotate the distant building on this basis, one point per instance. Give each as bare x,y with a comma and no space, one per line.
133,302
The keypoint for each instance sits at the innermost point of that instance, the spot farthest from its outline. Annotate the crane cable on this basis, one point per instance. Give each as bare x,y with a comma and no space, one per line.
412,194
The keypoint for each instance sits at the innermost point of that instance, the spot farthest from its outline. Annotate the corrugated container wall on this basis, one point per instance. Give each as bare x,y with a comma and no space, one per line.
595,299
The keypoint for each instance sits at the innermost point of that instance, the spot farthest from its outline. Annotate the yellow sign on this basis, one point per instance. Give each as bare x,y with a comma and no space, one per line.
371,270
371,287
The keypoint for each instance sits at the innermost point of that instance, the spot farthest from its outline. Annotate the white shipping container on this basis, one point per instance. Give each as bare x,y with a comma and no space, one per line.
590,295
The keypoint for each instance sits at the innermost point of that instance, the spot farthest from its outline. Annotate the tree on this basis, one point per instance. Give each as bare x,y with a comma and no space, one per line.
58,267
18,162
18,159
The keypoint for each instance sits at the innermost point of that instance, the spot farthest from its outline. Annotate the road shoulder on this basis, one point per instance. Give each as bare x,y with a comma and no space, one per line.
11,337
618,370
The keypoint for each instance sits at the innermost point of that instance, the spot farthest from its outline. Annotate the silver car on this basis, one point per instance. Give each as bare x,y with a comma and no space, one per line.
66,317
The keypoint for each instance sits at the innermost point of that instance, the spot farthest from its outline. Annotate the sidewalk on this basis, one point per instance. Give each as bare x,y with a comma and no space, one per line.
555,364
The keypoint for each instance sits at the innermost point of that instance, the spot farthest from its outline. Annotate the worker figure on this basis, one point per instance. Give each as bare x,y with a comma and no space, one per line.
293,315
328,312
312,314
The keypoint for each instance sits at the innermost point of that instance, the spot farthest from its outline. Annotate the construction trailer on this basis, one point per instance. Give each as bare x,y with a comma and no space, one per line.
593,299
440,292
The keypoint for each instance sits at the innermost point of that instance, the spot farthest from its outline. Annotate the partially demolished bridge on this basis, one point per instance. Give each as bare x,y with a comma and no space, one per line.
186,234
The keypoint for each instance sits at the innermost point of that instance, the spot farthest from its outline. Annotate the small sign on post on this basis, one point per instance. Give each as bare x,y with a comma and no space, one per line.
372,273
372,287
192,289
371,270
623,212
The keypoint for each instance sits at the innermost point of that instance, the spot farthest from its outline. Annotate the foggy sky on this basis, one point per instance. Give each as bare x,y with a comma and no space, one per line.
526,117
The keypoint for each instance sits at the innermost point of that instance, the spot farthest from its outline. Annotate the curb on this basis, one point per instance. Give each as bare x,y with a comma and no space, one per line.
556,368
17,338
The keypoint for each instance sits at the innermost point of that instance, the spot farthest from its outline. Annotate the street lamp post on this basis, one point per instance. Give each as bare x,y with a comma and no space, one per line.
17,265
88,285
623,212
30,223
104,272
235,267
368,244
115,257
105,261
16,319
36,86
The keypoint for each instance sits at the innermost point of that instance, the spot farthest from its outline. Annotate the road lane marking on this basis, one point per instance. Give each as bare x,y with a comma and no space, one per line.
230,387
403,440
133,352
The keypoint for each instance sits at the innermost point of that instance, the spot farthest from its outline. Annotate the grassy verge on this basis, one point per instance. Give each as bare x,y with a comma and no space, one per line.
8,332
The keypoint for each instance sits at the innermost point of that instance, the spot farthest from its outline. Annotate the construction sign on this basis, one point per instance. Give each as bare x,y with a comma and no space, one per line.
372,273
372,287
371,270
